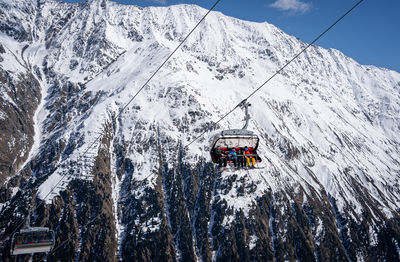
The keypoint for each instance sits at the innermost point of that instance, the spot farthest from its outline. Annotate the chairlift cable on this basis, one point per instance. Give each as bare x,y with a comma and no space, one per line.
277,72
223,117
123,108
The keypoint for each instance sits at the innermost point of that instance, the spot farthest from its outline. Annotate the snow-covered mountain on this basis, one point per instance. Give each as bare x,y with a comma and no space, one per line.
328,127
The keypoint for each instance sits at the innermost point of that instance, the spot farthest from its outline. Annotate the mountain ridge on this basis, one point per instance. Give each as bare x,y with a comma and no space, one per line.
328,128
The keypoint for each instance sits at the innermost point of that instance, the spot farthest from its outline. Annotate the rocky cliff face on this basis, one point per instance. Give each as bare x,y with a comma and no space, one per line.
120,183
16,119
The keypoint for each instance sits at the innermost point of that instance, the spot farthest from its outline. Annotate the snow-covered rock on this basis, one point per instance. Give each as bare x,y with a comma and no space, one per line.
328,127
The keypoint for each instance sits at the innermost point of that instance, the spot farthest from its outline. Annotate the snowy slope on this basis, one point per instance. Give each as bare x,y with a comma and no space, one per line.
329,127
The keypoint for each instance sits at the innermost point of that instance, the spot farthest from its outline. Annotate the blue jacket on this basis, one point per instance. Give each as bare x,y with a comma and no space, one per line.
232,155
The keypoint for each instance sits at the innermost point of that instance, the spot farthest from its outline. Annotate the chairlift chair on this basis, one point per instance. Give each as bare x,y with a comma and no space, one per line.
32,240
235,138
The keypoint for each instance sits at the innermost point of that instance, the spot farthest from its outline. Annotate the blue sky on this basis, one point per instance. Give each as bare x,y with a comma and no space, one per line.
370,34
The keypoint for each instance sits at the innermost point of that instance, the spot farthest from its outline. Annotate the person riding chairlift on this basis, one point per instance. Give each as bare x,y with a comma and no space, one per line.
251,161
241,158
222,157
233,157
